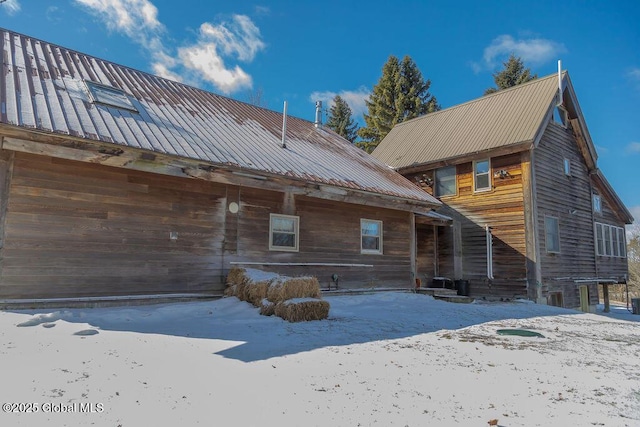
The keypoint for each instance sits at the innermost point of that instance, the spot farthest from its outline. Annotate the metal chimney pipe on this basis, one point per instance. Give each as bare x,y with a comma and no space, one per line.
284,126
318,121
560,100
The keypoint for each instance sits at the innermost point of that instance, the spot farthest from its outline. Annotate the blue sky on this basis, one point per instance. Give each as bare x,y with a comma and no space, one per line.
301,51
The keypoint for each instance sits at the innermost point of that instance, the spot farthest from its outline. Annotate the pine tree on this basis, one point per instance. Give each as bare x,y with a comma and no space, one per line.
514,73
401,94
341,120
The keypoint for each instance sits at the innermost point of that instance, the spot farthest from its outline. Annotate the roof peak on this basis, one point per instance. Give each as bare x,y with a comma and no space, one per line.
491,95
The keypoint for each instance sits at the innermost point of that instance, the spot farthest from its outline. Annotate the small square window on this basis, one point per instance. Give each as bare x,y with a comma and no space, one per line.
446,181
283,233
481,175
597,204
370,236
567,167
552,234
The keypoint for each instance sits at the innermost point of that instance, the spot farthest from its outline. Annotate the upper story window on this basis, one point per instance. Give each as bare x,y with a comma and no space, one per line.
481,175
370,236
560,116
446,181
597,204
567,167
284,233
552,234
610,240
109,95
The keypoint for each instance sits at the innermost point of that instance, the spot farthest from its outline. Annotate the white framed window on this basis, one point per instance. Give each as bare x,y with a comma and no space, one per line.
552,234
567,167
284,232
446,181
370,236
597,204
610,240
481,175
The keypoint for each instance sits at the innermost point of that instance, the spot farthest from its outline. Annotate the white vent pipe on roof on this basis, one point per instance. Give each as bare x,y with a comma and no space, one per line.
284,126
318,121
560,82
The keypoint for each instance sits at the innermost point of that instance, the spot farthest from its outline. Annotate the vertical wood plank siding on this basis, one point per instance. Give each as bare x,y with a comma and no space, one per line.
567,198
76,229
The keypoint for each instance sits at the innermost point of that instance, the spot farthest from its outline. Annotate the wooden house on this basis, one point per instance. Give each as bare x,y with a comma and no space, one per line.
517,170
115,182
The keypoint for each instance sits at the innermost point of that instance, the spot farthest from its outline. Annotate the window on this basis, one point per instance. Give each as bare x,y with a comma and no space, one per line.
567,167
370,236
597,204
446,181
481,175
560,116
109,95
283,233
552,234
555,298
610,241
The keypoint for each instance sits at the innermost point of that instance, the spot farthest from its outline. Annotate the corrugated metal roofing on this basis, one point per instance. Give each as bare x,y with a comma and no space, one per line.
507,117
42,88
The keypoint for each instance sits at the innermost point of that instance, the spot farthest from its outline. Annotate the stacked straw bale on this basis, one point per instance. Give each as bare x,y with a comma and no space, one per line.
294,299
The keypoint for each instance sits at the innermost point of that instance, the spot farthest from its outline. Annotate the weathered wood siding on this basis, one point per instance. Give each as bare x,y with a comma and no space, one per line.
567,198
329,234
76,229
502,209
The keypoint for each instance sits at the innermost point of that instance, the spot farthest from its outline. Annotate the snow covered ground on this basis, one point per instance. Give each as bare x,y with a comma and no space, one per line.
386,359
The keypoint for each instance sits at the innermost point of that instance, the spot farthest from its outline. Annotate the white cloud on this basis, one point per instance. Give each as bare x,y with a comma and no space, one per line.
633,147
238,39
355,99
531,50
11,6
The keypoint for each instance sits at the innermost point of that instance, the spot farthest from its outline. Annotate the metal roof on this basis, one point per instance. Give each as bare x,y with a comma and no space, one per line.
42,87
507,117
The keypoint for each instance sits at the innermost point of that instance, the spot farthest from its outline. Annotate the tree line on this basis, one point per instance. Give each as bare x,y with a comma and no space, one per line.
401,94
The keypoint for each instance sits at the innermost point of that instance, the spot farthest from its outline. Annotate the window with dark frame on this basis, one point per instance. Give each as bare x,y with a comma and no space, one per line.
552,234
446,181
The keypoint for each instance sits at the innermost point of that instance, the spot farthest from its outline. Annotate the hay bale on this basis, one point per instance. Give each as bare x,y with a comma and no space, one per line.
302,309
287,288
230,291
267,308
256,292
236,276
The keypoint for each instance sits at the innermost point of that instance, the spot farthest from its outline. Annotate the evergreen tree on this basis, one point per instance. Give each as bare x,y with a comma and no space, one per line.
514,73
341,120
401,94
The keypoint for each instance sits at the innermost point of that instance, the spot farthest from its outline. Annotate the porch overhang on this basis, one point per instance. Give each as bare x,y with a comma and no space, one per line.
433,218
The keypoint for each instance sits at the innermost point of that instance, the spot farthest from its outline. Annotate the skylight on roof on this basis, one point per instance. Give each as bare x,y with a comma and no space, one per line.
109,95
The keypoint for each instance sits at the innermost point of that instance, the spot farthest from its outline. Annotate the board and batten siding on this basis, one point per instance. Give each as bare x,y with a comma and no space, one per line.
502,209
329,234
75,229
567,198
